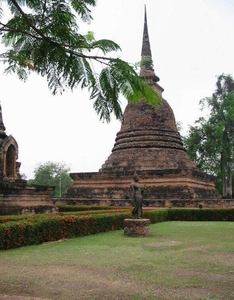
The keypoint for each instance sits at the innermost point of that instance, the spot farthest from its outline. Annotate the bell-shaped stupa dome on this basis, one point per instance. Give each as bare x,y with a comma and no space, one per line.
148,138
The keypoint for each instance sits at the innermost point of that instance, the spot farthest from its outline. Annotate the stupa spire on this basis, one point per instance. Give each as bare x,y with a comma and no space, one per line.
2,127
150,145
147,69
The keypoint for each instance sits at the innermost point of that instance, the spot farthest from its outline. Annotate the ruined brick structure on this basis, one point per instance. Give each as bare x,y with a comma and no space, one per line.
16,197
148,143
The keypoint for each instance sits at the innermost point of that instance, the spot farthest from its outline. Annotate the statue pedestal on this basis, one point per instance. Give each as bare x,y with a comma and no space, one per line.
136,227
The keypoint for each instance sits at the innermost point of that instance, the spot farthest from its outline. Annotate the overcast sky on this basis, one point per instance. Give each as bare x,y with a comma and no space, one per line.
192,42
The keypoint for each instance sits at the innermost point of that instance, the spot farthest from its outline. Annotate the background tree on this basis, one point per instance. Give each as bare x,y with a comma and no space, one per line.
210,143
44,37
52,174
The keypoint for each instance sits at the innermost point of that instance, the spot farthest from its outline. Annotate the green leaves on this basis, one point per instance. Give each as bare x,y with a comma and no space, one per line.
43,36
81,8
106,91
211,142
52,174
105,46
112,81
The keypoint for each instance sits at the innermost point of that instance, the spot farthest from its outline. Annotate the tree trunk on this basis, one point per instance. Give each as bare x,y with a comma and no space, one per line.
229,180
224,178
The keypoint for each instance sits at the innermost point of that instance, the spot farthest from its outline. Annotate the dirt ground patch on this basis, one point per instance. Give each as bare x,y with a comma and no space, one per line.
177,261
7,297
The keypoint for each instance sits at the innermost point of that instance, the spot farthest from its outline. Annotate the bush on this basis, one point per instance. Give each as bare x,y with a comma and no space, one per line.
17,231
208,214
55,227
155,216
73,208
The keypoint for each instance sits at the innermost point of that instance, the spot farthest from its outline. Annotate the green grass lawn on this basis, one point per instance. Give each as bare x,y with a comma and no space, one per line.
178,260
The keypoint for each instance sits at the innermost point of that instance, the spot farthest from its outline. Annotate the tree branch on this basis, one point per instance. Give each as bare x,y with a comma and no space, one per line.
100,59
6,28
27,20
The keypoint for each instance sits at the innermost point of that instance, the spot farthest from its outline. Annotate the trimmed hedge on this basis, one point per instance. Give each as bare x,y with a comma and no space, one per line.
73,208
77,211
205,214
36,229
156,216
55,227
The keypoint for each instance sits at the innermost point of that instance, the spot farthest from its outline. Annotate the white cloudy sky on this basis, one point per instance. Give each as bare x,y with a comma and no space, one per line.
192,42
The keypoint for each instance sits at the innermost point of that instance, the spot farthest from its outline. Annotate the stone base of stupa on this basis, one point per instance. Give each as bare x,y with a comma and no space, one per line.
163,188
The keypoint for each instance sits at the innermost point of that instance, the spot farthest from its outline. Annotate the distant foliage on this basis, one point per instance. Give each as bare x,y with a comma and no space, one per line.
52,174
210,142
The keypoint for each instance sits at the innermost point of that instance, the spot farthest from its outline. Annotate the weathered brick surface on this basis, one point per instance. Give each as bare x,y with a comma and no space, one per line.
148,143
136,227
160,186
148,140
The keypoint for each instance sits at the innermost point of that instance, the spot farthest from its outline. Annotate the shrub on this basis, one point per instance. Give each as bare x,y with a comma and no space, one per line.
208,214
155,216
17,231
47,228
73,208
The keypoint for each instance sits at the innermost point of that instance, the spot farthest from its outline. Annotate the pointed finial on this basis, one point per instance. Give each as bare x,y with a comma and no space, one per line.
146,51
2,127
147,70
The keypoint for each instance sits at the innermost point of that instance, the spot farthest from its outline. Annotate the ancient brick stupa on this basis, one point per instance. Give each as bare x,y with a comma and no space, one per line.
149,144
16,197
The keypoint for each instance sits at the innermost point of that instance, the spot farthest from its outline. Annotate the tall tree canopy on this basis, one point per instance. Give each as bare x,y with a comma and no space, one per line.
210,143
44,36
52,174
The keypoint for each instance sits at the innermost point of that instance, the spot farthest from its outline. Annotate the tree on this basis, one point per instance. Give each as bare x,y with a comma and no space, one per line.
43,36
52,174
210,143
